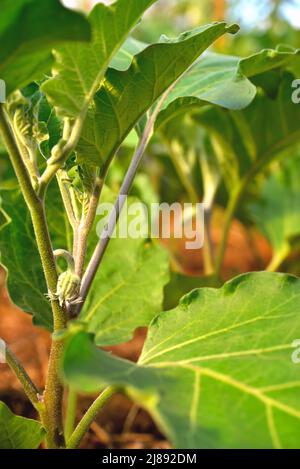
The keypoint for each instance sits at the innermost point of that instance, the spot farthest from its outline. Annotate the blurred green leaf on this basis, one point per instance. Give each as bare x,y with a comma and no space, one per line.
29,29
225,80
276,212
247,141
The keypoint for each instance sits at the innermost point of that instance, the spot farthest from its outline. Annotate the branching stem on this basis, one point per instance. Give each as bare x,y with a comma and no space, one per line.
119,204
53,395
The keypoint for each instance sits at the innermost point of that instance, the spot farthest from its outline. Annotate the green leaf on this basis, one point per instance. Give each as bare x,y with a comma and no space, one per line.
181,284
18,432
128,288
29,29
125,96
217,371
80,68
124,57
247,141
276,212
20,258
224,80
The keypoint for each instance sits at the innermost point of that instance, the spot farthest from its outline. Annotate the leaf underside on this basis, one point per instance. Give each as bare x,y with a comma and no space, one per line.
216,372
18,432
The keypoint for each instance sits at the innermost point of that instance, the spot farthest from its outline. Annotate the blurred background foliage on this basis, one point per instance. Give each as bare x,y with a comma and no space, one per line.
263,22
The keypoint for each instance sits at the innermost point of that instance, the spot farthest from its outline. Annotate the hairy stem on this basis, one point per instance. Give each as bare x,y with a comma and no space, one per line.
88,418
66,197
53,395
54,165
29,387
70,413
85,227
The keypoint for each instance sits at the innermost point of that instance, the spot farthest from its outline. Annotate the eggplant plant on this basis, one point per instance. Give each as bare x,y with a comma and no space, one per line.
217,370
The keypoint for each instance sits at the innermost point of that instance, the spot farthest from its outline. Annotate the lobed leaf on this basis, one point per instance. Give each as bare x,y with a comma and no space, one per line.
18,432
80,68
227,81
125,96
221,351
29,29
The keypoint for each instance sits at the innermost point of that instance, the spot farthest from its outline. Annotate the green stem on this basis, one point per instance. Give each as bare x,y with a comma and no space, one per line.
70,413
54,165
85,227
29,387
208,247
53,396
277,259
88,418
229,214
183,172
66,197
67,257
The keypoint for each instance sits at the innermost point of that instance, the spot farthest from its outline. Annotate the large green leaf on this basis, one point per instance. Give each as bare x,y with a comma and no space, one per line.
80,68
276,212
28,31
242,138
224,80
217,371
247,141
18,432
125,96
19,256
127,291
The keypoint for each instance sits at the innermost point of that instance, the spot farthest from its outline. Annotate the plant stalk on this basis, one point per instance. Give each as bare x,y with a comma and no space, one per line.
29,387
119,204
229,215
70,413
53,396
208,248
85,227
88,418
